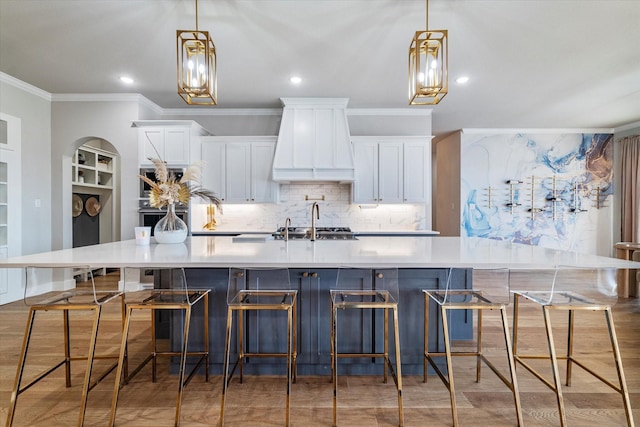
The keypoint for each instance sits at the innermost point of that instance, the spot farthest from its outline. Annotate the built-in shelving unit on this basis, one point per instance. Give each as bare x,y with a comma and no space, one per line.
93,167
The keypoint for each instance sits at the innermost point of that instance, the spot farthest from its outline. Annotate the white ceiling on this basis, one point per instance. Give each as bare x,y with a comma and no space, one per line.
531,63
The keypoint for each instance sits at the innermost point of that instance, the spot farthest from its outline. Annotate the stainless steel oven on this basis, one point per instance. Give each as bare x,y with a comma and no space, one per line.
151,174
149,217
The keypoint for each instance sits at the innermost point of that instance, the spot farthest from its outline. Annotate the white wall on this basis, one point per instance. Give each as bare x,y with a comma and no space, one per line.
71,123
33,107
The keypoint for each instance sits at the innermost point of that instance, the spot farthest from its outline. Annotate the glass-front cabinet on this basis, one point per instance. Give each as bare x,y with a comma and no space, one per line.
10,205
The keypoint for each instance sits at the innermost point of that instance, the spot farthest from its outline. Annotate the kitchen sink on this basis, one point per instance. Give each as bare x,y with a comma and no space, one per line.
322,233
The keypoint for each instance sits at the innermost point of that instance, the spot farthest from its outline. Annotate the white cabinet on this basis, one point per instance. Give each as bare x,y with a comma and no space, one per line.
170,141
238,169
10,205
93,167
391,170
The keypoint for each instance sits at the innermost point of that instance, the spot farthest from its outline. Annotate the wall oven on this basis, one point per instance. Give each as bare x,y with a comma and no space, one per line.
149,216
150,173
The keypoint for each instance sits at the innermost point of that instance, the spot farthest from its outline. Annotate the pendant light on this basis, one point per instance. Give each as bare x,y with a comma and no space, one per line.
428,63
197,66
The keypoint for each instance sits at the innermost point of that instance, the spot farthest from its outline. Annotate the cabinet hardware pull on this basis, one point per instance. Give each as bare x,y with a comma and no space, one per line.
240,274
305,274
314,275
380,275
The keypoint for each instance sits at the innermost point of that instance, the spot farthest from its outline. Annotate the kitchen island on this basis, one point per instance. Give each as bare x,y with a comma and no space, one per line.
422,262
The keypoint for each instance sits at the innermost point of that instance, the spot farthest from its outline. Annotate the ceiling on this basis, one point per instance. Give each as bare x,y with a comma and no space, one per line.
531,63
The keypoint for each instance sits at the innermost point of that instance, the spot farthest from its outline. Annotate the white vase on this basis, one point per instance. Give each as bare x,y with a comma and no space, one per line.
170,229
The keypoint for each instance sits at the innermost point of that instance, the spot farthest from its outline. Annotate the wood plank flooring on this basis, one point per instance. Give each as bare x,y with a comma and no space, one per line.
363,401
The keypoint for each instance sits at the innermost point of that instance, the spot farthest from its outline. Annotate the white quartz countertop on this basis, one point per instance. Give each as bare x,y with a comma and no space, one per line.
407,233
366,252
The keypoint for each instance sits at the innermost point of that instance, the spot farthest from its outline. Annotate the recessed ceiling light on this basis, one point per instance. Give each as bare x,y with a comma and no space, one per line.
125,79
295,80
462,80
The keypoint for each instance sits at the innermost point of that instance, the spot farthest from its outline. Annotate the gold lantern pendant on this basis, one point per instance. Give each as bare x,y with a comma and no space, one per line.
197,66
428,64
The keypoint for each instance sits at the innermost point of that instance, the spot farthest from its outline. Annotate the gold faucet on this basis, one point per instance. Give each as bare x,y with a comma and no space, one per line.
287,224
315,207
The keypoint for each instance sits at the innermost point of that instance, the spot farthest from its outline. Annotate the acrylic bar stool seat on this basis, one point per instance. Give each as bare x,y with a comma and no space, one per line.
181,298
491,292
253,291
373,291
553,292
67,301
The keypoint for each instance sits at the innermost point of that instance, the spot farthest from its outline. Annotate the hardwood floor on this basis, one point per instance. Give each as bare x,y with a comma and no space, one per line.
363,401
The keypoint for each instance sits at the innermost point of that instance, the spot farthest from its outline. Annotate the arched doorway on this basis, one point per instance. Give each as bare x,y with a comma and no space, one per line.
94,189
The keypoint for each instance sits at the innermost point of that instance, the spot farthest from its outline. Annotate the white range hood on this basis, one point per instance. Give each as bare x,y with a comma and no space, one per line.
314,142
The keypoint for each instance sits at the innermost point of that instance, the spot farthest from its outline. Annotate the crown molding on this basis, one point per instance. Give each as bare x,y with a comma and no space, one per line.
19,84
96,97
389,112
214,111
500,131
627,127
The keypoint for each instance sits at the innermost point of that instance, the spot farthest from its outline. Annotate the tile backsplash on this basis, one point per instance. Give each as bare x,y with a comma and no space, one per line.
335,210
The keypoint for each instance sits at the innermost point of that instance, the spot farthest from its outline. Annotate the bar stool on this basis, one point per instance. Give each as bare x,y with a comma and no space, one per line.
490,292
369,291
555,290
177,298
72,300
257,291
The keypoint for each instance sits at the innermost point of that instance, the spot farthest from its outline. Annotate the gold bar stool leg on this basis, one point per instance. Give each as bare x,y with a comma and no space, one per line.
426,338
123,350
554,367
225,371
87,374
206,335
569,348
154,350
624,391
334,362
295,342
23,358
398,366
479,347
516,314
241,343
447,349
183,362
512,366
289,364
67,347
386,345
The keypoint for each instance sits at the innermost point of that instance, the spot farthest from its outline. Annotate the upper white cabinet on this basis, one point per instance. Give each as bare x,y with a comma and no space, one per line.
10,205
392,170
238,169
170,140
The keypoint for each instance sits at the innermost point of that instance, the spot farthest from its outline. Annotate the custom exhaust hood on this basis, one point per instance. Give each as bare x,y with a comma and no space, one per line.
313,144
